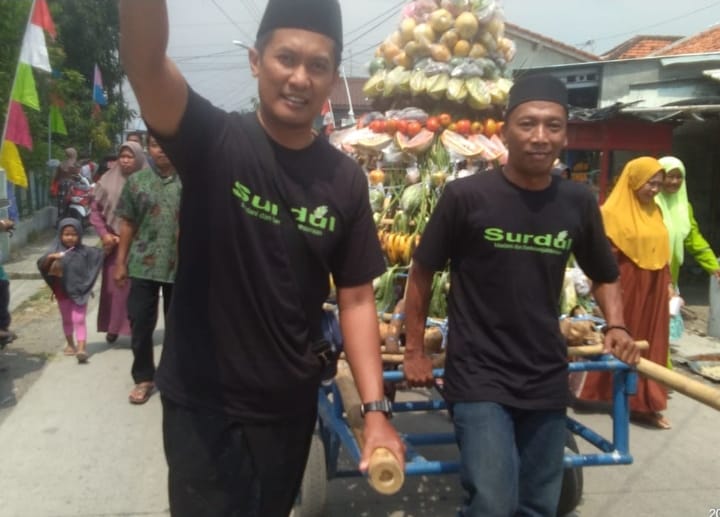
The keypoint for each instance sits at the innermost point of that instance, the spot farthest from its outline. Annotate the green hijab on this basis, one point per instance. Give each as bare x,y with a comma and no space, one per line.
676,215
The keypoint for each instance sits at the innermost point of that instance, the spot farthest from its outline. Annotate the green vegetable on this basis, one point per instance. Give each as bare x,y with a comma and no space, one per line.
411,199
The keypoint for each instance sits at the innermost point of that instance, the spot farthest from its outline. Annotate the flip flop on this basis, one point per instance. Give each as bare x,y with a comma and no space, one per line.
141,393
69,351
82,356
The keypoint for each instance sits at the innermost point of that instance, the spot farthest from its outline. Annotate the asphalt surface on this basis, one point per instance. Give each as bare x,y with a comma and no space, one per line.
72,445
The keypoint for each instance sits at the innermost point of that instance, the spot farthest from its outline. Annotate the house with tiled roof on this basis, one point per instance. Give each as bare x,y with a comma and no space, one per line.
701,43
640,46
534,49
671,81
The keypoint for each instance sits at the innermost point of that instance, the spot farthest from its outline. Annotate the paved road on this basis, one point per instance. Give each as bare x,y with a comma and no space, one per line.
71,446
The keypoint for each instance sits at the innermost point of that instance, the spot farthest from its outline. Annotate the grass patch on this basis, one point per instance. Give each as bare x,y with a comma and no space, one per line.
41,296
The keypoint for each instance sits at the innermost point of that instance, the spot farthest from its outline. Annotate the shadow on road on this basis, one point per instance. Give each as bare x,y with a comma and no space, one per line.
16,365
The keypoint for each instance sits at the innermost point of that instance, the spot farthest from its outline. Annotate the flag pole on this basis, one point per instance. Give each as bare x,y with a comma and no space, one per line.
49,135
351,113
17,69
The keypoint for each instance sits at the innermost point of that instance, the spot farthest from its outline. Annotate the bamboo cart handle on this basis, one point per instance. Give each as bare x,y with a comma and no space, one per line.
384,472
573,351
690,387
590,350
694,389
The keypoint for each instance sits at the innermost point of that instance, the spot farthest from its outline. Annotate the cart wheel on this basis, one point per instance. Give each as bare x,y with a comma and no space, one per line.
572,483
313,491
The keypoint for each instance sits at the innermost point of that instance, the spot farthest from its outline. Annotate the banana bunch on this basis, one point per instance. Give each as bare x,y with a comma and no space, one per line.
398,247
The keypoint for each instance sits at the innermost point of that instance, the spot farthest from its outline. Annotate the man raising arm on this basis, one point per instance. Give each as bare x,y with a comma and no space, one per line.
238,378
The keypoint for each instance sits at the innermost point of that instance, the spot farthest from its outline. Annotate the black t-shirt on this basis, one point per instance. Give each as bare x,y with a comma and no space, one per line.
508,249
237,334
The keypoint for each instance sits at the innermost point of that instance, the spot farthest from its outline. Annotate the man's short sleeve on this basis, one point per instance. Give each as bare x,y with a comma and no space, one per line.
126,208
202,124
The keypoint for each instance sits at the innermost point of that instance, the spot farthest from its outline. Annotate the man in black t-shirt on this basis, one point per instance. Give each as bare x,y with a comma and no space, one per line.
238,378
508,235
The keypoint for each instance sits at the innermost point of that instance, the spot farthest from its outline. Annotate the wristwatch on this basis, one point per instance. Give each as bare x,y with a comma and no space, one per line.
384,406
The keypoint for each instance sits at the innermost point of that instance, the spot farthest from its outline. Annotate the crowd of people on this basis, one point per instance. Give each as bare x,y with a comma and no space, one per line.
238,376
134,212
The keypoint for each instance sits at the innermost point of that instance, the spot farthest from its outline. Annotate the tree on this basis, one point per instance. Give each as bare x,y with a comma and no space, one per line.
88,33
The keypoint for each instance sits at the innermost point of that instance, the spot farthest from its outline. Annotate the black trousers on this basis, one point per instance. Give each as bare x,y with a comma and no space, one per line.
221,468
142,307
4,304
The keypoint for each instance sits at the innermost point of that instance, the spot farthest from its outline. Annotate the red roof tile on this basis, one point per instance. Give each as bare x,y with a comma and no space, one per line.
640,46
705,41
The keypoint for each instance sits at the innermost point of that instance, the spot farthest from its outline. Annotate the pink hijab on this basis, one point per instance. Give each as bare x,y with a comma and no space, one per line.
110,185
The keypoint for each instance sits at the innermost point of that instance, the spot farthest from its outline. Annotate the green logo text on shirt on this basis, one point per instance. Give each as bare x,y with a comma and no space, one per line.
545,243
316,221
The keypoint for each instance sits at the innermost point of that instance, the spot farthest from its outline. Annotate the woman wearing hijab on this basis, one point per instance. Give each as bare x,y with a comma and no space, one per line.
70,269
680,222
634,225
112,311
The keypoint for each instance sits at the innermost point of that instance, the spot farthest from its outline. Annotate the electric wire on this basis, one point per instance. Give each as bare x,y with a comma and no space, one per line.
638,30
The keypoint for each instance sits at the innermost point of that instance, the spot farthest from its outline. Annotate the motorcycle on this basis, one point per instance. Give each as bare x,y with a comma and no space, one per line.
76,194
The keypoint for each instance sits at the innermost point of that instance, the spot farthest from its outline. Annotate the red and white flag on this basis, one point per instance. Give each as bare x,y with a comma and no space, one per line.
328,120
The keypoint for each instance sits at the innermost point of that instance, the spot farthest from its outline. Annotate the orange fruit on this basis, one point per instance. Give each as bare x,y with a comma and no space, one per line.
490,127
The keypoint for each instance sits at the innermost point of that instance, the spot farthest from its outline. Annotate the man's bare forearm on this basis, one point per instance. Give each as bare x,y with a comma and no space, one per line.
417,299
143,35
159,86
127,233
609,298
361,336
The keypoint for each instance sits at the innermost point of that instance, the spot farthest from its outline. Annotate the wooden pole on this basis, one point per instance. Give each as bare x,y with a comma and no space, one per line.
680,383
384,472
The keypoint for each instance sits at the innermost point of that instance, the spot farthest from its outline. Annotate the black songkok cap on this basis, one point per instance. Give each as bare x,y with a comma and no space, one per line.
321,16
537,88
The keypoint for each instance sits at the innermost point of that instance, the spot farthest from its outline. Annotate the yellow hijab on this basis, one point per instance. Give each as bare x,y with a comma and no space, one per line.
637,230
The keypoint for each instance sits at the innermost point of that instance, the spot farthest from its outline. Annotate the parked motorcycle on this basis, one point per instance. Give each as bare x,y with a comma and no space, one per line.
75,196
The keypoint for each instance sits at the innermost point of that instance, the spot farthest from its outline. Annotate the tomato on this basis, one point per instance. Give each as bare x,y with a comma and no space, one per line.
463,126
413,128
390,126
402,126
375,126
476,127
445,119
432,124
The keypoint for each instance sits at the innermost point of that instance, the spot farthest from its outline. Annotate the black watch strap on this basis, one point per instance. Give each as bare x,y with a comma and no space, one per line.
383,406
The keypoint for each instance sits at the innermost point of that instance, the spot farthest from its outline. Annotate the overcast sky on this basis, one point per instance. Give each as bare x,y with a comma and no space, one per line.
202,31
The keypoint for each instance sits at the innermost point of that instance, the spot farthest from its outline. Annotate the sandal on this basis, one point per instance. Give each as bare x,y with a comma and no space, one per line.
69,350
82,356
141,392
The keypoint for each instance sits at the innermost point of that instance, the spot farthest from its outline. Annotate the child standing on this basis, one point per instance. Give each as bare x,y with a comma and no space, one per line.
70,269
677,327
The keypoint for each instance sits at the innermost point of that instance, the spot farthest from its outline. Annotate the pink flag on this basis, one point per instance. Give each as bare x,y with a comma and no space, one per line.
18,129
98,92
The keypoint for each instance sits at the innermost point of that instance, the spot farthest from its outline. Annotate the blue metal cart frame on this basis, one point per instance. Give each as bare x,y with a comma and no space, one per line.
335,431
